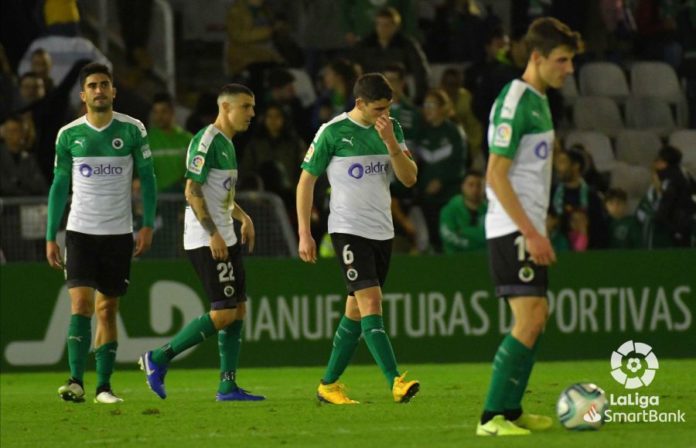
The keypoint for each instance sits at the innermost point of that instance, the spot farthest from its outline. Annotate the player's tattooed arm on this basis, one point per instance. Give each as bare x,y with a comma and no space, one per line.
195,198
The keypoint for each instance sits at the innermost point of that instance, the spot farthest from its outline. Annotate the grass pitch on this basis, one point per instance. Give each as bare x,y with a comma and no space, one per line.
444,414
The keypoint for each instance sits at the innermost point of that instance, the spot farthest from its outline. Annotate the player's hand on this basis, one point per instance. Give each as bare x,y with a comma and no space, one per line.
385,129
248,233
53,255
218,247
540,250
308,249
143,241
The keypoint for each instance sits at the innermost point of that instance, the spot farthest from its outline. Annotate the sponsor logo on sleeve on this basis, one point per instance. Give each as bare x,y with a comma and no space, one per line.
146,151
196,165
503,135
310,153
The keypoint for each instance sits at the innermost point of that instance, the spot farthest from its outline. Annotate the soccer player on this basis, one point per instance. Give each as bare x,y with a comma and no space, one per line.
358,150
97,151
211,245
518,188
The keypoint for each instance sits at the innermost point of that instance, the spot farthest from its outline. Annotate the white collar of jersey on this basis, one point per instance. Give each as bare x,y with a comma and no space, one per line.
359,124
530,87
218,131
96,128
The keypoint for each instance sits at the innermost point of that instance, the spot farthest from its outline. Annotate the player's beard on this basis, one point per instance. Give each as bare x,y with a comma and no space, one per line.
101,107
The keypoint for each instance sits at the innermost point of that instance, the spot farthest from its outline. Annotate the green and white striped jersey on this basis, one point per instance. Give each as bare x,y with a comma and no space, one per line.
521,129
358,166
100,162
212,162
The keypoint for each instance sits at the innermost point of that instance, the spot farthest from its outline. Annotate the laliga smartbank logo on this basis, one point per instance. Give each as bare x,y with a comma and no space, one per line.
634,366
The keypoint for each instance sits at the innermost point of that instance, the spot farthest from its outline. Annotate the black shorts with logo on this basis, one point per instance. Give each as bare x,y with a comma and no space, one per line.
514,273
365,262
224,282
101,262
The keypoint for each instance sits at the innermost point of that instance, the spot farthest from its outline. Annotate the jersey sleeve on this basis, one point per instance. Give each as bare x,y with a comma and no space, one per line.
319,153
63,160
506,129
400,139
146,171
198,160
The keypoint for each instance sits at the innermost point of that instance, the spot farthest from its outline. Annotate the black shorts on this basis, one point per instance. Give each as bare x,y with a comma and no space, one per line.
514,273
101,262
224,282
365,262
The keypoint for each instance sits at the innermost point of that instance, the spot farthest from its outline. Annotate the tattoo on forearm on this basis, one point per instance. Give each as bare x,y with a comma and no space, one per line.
200,208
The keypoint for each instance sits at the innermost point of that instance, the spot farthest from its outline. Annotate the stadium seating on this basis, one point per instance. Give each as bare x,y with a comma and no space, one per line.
594,113
637,147
597,144
303,87
436,71
569,91
649,113
603,79
685,140
634,180
658,79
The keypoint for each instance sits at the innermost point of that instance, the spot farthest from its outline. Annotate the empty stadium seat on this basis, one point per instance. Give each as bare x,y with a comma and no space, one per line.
569,91
597,144
685,140
649,113
303,87
601,114
658,79
436,71
603,79
637,147
634,180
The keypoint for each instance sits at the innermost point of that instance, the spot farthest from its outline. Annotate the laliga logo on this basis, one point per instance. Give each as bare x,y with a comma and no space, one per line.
637,356
100,170
357,170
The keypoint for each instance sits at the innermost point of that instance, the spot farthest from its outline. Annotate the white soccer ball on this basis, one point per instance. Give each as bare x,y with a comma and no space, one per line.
582,406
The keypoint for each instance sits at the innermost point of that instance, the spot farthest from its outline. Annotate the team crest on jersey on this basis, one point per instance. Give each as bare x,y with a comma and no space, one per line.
352,274
196,165
526,274
117,143
503,135
310,153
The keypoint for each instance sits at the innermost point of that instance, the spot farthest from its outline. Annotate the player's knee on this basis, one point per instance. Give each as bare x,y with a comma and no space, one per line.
223,318
82,308
107,310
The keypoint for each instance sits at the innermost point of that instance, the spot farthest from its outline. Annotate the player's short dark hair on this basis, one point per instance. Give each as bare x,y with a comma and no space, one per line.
234,89
389,12
93,68
670,155
396,67
577,158
163,97
615,194
547,33
372,87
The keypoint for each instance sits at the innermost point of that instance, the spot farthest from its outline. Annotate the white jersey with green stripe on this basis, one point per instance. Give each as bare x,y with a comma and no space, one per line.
100,162
521,129
358,166
212,162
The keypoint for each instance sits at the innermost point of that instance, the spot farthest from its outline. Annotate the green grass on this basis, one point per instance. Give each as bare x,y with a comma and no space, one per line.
443,414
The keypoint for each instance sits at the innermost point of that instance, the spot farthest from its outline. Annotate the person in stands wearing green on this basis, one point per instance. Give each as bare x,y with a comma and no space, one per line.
441,153
462,219
624,230
97,152
168,143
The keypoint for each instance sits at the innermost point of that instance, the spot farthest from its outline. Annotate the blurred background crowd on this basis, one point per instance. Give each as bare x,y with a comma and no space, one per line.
625,122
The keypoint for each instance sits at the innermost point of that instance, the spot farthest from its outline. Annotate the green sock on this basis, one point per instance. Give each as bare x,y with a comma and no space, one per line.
508,365
379,345
514,399
345,342
229,346
79,341
192,334
106,357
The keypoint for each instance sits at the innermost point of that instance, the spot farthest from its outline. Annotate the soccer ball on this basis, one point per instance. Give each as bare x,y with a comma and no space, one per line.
582,406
